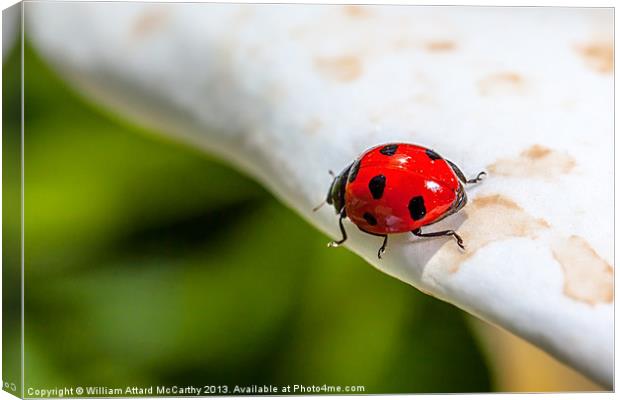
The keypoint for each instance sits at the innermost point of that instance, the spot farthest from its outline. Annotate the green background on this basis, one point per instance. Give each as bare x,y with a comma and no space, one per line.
151,263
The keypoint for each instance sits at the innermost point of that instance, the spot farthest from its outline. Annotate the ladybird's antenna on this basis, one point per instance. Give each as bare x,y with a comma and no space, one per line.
323,202
315,209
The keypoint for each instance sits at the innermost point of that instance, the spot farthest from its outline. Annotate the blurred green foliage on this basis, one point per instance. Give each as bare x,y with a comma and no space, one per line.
11,220
149,263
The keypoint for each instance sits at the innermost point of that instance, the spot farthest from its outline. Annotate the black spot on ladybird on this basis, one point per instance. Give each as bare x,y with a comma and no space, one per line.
354,170
370,219
377,186
389,150
432,155
416,208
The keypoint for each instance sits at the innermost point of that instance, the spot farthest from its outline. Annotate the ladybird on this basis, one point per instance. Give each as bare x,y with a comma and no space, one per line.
396,188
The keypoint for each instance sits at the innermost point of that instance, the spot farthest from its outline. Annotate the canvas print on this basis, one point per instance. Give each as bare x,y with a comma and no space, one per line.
215,199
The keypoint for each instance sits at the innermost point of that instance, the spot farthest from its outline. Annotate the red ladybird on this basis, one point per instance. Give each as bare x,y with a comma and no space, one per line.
397,188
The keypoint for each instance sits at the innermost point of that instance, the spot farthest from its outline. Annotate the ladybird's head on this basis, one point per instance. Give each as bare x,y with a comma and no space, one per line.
335,194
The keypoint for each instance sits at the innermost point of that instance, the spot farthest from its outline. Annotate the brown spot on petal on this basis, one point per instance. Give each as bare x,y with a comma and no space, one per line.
490,219
502,83
587,277
440,46
149,21
343,69
535,161
355,11
599,56
495,200
536,152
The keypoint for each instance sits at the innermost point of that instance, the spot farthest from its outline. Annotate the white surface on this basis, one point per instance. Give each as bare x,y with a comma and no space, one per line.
286,92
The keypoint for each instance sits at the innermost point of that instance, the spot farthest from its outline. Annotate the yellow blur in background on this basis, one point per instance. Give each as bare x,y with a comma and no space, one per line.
520,367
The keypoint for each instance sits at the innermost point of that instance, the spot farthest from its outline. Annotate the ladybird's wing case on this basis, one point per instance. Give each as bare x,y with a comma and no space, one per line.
402,191
398,200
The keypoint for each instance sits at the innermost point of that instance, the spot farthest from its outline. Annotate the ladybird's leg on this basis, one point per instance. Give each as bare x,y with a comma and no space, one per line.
478,178
461,175
382,248
343,215
459,241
